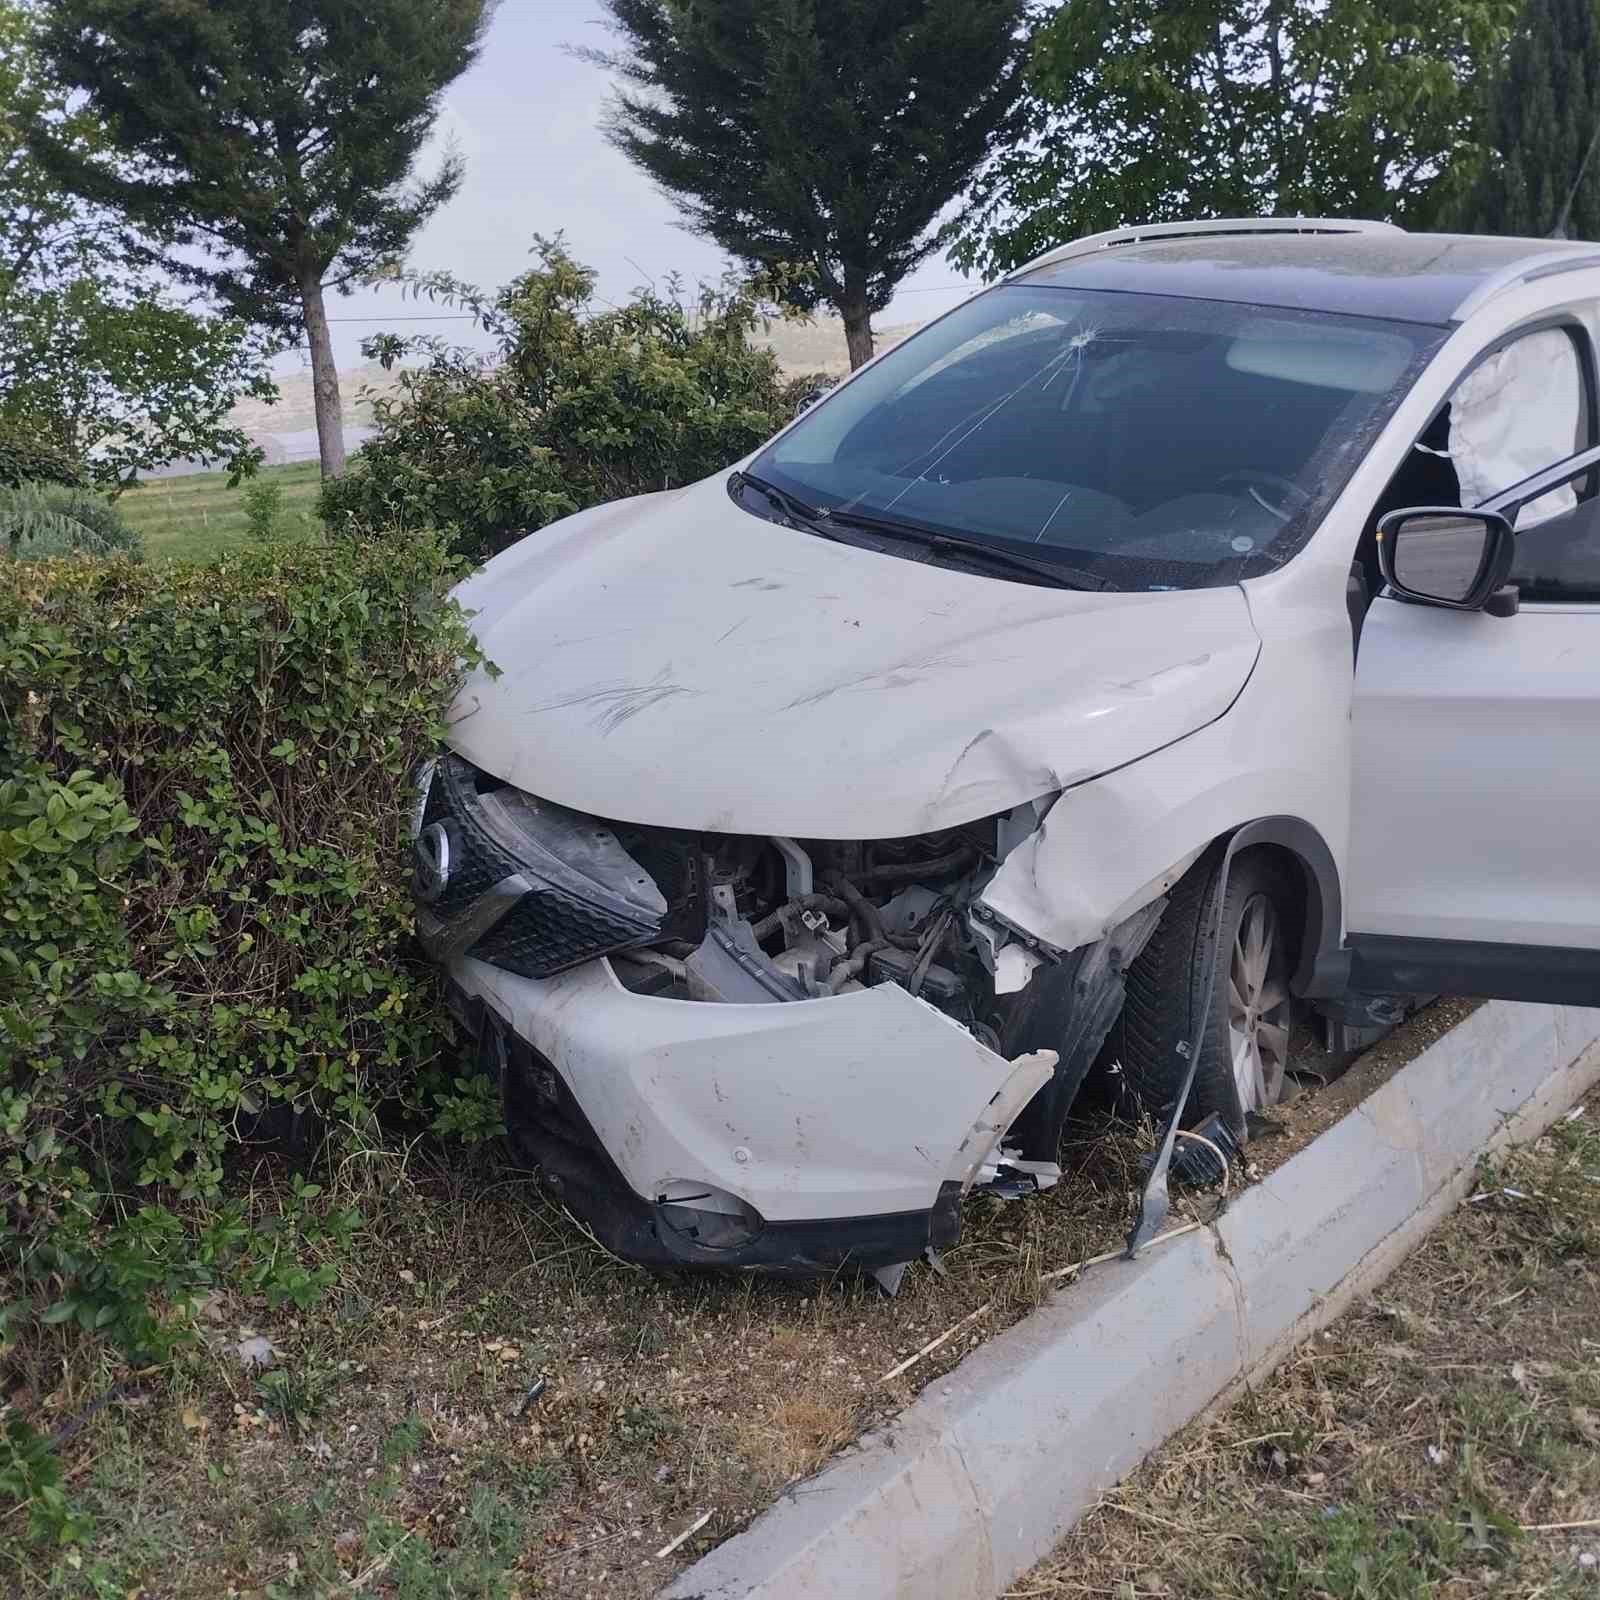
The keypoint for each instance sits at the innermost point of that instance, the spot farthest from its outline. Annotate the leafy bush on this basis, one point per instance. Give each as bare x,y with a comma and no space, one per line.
203,916
40,520
576,406
263,508
28,455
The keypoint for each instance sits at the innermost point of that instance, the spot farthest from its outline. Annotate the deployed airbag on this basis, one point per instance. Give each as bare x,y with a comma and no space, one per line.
1515,413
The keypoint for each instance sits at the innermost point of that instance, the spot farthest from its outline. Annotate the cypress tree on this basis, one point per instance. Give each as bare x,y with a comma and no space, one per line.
265,143
823,135
1541,173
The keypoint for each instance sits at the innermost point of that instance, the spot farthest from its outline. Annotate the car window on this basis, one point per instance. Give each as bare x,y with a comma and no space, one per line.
1158,441
1558,558
1525,407
1523,410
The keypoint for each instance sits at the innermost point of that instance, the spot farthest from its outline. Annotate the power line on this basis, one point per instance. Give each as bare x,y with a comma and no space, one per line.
934,288
463,316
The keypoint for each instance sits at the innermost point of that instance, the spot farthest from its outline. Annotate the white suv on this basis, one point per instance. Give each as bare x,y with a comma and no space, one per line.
827,822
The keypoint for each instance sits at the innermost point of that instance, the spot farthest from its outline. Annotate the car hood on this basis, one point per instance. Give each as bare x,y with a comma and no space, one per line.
674,660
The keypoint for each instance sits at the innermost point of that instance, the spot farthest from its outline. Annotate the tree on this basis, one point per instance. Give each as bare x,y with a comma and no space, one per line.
1541,174
1149,111
266,146
122,381
822,134
573,406
98,365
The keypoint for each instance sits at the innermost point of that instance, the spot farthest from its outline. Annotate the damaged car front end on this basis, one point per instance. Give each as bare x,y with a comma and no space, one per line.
792,863
754,1052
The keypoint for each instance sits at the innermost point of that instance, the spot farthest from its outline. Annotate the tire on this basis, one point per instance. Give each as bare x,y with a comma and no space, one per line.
1244,1055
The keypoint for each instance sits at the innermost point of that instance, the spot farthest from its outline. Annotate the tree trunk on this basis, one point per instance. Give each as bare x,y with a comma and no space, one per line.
857,327
324,378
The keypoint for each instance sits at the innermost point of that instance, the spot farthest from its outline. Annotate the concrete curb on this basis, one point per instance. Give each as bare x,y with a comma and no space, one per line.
983,1473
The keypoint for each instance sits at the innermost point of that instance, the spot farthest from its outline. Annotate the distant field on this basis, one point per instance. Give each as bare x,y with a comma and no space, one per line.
199,518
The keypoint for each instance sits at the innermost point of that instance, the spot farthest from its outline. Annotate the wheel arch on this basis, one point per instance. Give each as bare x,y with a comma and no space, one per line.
1324,965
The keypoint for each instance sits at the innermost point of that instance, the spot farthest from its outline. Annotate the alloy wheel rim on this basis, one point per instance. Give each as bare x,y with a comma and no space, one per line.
1258,1007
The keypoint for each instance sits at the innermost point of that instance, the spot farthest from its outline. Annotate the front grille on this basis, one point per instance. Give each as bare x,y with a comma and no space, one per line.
545,931
548,931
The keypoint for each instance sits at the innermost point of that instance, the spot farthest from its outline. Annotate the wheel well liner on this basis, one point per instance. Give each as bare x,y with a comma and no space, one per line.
1324,965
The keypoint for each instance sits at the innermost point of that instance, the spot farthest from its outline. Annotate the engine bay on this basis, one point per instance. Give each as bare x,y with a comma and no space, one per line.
537,889
790,920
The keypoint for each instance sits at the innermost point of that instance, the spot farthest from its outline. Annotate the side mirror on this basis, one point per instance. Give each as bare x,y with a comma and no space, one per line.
1444,556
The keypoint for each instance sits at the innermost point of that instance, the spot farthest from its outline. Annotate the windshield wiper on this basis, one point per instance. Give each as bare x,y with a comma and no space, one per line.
1056,572
809,519
824,522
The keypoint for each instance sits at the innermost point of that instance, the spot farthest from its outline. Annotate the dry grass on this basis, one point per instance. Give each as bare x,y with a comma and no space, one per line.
795,1436
396,1441
402,1446
1432,1443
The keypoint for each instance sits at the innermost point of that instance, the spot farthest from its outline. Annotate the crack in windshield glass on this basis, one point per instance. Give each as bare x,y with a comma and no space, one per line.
1152,441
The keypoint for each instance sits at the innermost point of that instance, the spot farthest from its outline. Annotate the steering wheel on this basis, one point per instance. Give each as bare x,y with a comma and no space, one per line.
1292,497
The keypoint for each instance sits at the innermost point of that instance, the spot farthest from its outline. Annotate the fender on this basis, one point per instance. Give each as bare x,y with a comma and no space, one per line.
1324,965
1109,847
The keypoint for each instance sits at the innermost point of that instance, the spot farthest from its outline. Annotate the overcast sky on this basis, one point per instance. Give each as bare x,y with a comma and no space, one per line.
526,119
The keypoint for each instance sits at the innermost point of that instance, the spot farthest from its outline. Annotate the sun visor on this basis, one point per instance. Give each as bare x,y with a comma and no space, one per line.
1517,412
1364,363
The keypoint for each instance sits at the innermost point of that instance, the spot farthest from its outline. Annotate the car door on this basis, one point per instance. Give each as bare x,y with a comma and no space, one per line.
1475,830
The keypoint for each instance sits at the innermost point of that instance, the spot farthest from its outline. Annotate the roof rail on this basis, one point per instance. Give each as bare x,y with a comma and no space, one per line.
1185,230
1544,264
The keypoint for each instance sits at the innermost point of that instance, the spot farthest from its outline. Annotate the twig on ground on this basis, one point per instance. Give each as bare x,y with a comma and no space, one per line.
694,1455
1044,1277
578,1549
933,1344
1111,1255
1161,1522
361,1579
687,1534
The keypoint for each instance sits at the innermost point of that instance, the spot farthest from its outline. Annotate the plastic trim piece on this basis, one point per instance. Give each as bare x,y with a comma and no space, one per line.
1552,974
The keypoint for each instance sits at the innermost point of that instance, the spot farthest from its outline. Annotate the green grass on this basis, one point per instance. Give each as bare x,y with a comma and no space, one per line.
200,518
1438,1442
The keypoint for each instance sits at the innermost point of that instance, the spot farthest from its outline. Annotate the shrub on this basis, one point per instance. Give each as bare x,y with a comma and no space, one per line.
576,406
263,508
29,455
203,916
40,520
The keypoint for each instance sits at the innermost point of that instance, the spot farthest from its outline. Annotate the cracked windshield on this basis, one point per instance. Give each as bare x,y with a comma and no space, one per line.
1152,442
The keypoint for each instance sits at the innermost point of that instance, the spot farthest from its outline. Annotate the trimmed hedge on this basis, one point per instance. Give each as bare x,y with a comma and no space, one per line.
204,777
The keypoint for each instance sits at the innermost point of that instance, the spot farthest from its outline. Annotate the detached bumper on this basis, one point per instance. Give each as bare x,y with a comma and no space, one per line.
790,1137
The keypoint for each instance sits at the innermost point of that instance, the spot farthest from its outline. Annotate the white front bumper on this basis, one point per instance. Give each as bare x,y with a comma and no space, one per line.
855,1105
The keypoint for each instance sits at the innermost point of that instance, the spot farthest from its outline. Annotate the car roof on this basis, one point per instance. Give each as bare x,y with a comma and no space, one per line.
1371,270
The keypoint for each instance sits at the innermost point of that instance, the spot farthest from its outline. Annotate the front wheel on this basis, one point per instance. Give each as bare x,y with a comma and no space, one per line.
1244,1057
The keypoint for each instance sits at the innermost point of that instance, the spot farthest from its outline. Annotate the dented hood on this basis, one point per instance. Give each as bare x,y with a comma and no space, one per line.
674,660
